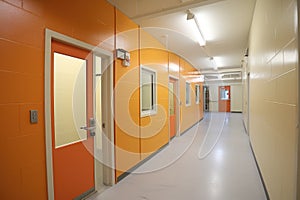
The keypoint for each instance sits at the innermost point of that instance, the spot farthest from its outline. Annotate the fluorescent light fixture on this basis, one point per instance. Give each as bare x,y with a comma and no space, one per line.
192,18
198,79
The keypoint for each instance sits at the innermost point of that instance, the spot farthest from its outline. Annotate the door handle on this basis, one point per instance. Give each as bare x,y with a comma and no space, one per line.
90,128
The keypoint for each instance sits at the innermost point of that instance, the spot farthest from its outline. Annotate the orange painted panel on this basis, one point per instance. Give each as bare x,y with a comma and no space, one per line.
154,56
172,126
127,151
150,145
124,23
94,28
11,127
11,181
27,128
127,96
32,174
17,22
20,58
174,66
13,93
34,6
129,74
17,3
23,157
193,113
31,91
155,128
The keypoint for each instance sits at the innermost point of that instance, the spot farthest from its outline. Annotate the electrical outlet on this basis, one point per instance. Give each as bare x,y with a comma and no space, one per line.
33,116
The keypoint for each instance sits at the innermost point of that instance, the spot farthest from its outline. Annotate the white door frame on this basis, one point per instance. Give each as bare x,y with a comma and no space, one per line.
177,111
107,60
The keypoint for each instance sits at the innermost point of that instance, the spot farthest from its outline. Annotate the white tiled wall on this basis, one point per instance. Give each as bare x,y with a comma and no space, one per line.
273,65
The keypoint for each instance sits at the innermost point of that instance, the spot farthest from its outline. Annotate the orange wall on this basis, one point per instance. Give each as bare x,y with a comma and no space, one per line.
193,113
127,135
22,145
155,128
23,23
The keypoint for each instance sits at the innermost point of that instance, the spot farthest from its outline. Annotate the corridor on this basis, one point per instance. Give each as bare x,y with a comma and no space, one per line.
149,100
212,160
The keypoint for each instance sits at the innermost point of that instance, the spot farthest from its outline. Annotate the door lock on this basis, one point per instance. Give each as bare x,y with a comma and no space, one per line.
90,128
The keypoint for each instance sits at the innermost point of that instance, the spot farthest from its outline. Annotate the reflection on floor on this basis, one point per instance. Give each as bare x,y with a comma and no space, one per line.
212,161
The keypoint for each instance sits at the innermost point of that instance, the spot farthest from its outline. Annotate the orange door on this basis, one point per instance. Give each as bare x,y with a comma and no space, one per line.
172,107
72,112
224,99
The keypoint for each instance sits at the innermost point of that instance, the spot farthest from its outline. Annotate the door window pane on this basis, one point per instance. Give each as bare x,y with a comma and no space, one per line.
171,99
197,91
69,99
224,94
98,102
187,94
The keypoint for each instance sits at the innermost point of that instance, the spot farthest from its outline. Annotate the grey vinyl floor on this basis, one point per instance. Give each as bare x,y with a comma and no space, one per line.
211,161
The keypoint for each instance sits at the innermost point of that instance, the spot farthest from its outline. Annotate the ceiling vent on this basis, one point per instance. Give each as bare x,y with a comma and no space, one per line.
228,76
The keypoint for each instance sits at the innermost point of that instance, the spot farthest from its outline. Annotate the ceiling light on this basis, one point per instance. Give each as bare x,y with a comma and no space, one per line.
213,63
191,17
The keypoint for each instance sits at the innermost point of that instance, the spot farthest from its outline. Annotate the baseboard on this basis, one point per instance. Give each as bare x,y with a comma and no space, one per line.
191,127
125,174
260,174
246,131
236,112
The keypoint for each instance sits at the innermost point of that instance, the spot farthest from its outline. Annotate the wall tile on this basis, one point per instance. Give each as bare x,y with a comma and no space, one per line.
273,102
277,65
16,57
21,26
9,121
290,56
286,87
17,3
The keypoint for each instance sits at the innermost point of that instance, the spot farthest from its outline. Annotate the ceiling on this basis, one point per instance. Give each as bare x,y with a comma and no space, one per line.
225,25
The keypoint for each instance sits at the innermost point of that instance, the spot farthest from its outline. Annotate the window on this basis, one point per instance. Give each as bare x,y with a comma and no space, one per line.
224,93
148,92
187,94
197,91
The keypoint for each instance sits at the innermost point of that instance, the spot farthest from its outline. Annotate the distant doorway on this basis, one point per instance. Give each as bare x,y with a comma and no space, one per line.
205,99
224,99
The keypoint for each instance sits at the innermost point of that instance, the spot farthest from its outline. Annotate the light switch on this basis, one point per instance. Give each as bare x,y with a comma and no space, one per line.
33,116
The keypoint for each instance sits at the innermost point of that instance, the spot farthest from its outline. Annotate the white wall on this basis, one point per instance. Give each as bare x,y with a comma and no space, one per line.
273,64
213,98
245,86
236,98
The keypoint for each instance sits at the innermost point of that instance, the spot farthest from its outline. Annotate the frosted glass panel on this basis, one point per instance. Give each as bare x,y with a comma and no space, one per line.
69,99
197,88
187,93
98,104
